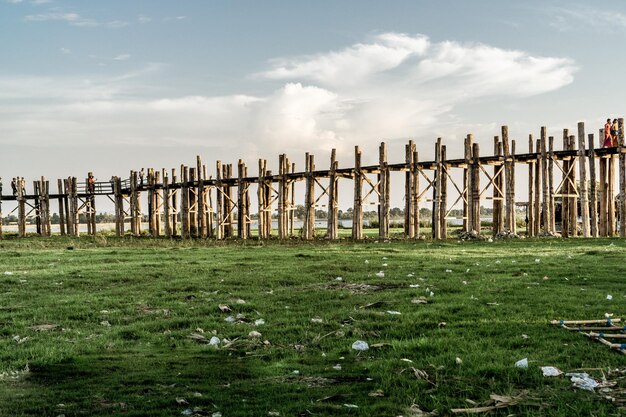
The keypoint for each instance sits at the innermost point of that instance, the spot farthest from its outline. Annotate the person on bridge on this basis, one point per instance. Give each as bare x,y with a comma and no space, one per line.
614,132
14,186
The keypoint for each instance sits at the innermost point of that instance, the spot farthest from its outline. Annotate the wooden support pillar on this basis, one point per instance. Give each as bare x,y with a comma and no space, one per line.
74,206
622,179
118,201
436,215
291,199
530,217
282,197
269,189
229,215
262,205
572,196
443,206
468,220
61,192
582,167
174,205
69,217
208,204
44,210
151,205
408,191
184,203
135,207
308,228
610,190
201,207
545,206
242,209
509,175
551,184
219,227
192,201
565,190
357,209
167,219
415,195
537,202
476,187
333,198
602,215
498,189
383,195
593,202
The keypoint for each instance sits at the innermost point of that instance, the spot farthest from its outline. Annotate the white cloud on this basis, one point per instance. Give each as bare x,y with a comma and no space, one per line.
122,57
65,51
144,19
396,86
578,17
14,1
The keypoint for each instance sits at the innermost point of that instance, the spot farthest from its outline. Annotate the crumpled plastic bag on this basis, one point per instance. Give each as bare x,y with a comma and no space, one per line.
582,380
360,345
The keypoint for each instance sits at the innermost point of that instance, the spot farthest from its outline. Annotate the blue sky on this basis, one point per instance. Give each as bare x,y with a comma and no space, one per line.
116,85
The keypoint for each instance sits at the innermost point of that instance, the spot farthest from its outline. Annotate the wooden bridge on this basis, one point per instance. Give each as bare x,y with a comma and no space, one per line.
189,203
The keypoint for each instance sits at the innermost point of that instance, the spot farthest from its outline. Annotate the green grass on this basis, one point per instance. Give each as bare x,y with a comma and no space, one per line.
125,310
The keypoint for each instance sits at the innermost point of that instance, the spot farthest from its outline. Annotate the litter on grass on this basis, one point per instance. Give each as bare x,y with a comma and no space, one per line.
522,363
360,345
582,380
550,371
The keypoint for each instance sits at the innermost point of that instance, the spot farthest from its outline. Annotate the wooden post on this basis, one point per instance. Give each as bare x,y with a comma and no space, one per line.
228,201
61,190
151,207
436,222
201,208
184,202
44,187
74,206
476,187
174,205
282,197
191,203
309,199
573,201
383,195
242,215
333,195
291,200
531,191
565,190
498,189
443,206
167,219
537,202
261,199
219,227
622,179
357,209
551,183
602,215
610,203
408,191
582,166
545,206
468,220
416,193
509,175
593,204
208,204
135,207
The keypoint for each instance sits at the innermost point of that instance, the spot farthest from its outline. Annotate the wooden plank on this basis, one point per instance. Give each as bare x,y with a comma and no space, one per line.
593,204
333,202
383,195
357,209
622,179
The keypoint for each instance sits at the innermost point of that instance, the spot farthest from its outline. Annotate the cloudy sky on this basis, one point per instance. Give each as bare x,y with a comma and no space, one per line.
118,85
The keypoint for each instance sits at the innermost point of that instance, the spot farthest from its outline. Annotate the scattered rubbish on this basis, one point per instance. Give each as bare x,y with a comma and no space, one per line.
339,279
181,401
360,345
224,308
537,260
524,336
187,412
316,320
105,323
406,360
216,414
273,413
522,363
458,360
582,380
609,297
214,341
409,275
259,322
240,301
393,313
380,274
8,273
419,300
550,371
495,402
19,340
414,285
296,372
44,327
377,393
464,282
384,264
337,367
230,319
431,294
254,334
366,261
351,406
442,324
448,271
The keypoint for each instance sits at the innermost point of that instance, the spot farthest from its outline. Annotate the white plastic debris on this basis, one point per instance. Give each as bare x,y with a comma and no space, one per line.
366,261
351,406
337,367
296,372
406,360
216,414
498,261
522,363
360,345
384,264
380,274
464,282
105,323
448,271
230,319
609,297
409,275
259,322
550,371
187,412
414,285
393,313
254,333
458,360
214,341
339,279
431,294
582,380
537,260
316,320
8,273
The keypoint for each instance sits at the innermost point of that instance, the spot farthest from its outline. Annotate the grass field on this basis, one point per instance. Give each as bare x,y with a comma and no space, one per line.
101,327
